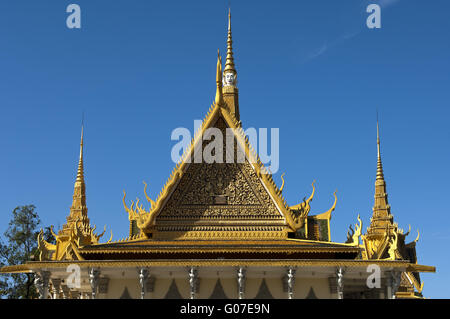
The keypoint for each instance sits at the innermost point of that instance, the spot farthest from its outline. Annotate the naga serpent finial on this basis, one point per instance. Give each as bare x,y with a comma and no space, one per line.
409,230
101,235
282,184
354,235
53,233
350,233
110,238
327,214
418,235
421,288
148,198
393,246
131,211
301,211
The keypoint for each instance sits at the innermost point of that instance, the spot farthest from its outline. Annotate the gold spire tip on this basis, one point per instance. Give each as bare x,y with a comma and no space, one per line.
380,175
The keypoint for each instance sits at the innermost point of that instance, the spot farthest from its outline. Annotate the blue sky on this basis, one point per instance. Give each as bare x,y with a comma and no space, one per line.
139,69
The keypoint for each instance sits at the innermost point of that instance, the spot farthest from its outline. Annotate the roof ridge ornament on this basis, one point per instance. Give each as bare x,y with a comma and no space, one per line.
219,93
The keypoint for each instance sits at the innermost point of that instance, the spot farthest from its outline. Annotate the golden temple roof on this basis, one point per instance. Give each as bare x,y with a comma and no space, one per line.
180,224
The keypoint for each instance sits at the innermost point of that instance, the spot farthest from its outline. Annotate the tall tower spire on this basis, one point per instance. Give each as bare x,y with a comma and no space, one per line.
78,210
77,231
229,63
79,193
230,90
381,223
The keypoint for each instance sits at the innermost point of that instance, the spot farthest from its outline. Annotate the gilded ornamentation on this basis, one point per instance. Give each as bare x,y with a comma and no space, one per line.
44,247
224,209
236,185
327,214
222,234
77,232
282,184
152,203
300,211
393,246
135,212
219,94
353,236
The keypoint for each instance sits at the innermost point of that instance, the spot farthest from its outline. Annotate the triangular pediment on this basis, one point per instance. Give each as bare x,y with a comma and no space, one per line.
220,190
221,199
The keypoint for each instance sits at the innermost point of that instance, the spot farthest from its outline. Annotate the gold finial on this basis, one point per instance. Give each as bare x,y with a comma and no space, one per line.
229,63
282,185
380,175
219,95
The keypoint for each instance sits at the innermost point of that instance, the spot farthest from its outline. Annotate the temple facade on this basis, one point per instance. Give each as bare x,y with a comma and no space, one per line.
224,230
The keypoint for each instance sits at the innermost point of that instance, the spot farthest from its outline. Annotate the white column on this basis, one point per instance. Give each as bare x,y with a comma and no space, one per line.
94,274
56,283
41,280
143,278
193,281
340,282
241,277
291,281
394,283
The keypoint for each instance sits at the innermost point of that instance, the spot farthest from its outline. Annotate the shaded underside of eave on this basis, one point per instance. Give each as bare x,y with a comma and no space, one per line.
228,244
420,268
218,255
224,249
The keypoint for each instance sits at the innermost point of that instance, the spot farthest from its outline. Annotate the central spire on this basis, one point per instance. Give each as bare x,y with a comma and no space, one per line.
230,91
382,219
78,210
229,63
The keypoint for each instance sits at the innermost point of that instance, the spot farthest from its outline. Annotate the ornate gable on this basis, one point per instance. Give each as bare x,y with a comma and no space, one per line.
227,199
219,199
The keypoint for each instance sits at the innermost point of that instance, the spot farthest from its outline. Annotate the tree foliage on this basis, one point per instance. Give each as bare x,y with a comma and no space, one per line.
19,247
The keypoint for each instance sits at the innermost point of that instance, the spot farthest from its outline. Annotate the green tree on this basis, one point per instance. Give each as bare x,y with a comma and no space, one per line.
20,247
